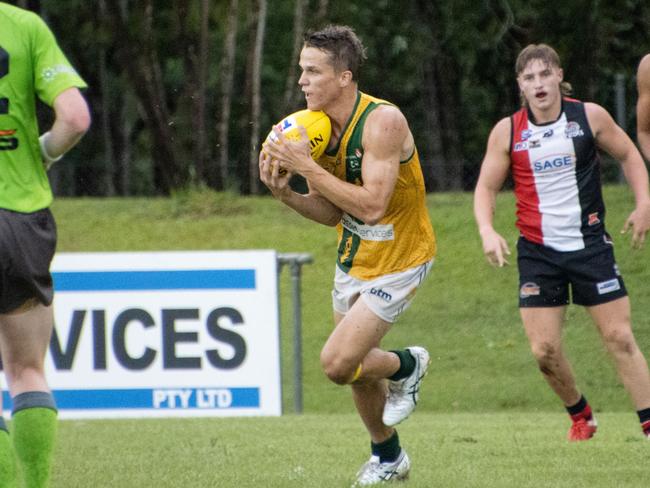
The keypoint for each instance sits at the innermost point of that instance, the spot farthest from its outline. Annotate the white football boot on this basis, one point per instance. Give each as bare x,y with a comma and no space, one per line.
403,394
374,472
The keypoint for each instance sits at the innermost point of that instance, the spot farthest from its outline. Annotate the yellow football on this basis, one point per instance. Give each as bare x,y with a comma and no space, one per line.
317,125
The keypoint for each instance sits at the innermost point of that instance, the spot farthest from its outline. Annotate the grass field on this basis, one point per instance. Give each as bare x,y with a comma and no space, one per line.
450,450
486,418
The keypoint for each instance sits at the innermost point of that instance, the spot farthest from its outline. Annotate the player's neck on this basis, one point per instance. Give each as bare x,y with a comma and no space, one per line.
545,115
340,112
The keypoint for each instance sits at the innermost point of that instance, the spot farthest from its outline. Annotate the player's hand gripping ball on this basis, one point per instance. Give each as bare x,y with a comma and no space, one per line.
315,122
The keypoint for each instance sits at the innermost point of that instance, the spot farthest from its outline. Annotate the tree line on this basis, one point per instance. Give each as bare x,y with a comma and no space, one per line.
183,92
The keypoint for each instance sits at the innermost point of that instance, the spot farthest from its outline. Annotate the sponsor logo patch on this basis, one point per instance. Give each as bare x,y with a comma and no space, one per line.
525,134
51,72
608,286
521,146
535,144
378,232
557,163
529,289
548,133
593,219
378,292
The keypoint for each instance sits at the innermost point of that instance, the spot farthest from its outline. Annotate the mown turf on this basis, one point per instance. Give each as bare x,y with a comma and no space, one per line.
462,450
486,418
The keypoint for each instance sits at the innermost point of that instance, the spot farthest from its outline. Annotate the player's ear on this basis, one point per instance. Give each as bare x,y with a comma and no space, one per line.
345,78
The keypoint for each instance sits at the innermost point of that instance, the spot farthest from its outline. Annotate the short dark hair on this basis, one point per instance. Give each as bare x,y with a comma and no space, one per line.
546,54
343,46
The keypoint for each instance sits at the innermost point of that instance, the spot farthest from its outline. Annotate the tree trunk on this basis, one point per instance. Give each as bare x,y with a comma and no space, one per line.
321,12
448,82
433,160
291,93
202,74
109,154
138,58
227,75
256,98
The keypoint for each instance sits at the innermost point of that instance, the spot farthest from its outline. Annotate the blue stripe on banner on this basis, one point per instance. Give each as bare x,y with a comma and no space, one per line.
195,398
209,279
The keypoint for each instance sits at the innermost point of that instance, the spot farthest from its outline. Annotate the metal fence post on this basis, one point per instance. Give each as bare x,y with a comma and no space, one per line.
295,262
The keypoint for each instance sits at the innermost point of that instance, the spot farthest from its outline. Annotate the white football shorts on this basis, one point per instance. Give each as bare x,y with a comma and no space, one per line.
387,296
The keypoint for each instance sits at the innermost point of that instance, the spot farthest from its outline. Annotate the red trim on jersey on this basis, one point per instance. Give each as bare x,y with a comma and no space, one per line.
529,218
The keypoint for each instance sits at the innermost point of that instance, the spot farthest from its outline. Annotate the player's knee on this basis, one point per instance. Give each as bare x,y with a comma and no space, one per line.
620,341
336,368
544,353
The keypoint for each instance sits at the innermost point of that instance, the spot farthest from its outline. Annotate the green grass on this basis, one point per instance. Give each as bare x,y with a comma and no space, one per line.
465,313
489,450
486,417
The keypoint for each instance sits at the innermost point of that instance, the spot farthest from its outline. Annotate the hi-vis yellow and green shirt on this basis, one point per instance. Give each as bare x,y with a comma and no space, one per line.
404,237
31,64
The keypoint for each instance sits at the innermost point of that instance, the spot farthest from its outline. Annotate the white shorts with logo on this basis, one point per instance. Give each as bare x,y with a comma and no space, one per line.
387,296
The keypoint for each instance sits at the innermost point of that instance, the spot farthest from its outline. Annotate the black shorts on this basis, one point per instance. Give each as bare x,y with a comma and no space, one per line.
27,245
545,275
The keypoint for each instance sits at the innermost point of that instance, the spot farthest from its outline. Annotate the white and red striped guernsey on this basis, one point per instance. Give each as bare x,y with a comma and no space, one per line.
556,171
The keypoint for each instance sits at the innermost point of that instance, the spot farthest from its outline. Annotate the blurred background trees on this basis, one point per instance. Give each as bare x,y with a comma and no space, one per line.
184,91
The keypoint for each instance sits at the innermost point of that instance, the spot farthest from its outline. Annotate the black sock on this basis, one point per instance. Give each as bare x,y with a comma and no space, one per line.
644,418
580,410
406,365
387,451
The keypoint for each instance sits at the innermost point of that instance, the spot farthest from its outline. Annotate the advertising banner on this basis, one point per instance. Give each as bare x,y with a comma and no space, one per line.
155,334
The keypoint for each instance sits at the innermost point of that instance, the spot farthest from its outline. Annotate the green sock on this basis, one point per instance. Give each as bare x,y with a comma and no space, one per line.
7,460
34,430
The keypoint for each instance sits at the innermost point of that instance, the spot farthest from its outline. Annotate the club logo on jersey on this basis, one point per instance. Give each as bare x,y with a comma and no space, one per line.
525,134
529,289
593,219
572,130
521,146
557,163
608,286
353,162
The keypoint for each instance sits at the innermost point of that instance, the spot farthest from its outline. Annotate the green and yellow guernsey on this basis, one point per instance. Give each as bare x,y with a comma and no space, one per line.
31,64
404,237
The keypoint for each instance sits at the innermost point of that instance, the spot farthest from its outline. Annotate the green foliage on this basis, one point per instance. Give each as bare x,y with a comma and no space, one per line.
472,47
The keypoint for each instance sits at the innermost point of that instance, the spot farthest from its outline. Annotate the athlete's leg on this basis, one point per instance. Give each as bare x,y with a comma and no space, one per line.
353,350
544,330
614,325
24,338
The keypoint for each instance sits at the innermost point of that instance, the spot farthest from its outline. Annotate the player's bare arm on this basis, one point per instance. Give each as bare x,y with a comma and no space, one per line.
643,106
311,205
494,171
386,140
72,120
613,140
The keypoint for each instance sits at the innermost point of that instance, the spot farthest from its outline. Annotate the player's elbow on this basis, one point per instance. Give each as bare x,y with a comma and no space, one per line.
72,113
78,122
373,215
